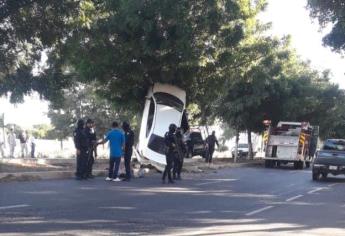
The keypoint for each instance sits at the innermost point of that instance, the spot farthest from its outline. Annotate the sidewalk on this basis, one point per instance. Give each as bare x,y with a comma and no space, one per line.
45,169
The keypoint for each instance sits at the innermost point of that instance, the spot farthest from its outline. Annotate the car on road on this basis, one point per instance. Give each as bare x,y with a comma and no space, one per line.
330,159
196,145
164,105
242,150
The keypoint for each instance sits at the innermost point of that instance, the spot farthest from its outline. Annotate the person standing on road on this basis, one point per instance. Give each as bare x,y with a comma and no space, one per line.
181,151
92,140
116,140
170,152
211,141
32,142
11,139
129,141
23,139
81,144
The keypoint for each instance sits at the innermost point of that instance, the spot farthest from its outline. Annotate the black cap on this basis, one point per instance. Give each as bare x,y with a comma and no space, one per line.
125,125
80,123
89,121
172,128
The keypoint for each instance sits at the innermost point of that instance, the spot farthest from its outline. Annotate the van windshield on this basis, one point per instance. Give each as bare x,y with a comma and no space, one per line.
334,144
169,100
196,137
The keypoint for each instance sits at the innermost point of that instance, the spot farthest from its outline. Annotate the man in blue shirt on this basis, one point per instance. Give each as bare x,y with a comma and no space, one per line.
116,140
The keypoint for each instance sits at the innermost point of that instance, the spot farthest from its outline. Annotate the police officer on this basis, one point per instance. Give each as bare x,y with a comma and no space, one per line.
81,144
211,141
91,135
181,151
170,152
129,141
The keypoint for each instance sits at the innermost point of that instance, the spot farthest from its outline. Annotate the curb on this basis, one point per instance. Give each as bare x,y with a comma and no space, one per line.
43,175
197,167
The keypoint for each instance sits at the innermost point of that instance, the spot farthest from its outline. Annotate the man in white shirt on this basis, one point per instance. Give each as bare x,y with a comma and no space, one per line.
23,139
11,139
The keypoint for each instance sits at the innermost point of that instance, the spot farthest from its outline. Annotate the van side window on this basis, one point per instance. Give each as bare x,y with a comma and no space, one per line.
150,117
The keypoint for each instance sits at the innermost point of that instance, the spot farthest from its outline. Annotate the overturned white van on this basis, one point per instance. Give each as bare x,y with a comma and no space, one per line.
164,105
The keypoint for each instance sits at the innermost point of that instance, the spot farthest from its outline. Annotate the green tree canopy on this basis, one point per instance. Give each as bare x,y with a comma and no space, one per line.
330,12
83,102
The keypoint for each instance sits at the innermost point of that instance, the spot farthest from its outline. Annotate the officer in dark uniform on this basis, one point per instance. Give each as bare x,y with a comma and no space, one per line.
170,152
81,144
211,141
181,151
92,139
129,141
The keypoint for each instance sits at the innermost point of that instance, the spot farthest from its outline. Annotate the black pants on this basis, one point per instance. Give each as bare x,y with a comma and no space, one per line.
114,164
210,154
33,146
128,157
178,164
170,162
82,164
90,161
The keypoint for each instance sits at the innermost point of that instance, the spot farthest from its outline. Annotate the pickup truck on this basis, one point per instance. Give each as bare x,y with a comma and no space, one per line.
330,159
242,150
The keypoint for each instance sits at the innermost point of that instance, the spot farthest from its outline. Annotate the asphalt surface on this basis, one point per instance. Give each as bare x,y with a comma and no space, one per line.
235,201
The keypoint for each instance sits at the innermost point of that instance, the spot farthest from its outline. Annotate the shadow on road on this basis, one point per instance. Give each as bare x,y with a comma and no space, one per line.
143,207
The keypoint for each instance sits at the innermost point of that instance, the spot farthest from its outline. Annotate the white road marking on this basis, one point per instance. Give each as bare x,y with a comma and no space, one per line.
315,190
216,181
259,210
332,185
294,198
14,206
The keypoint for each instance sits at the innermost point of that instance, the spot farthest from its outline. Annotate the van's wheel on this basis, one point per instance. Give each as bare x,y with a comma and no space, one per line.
324,175
307,164
316,176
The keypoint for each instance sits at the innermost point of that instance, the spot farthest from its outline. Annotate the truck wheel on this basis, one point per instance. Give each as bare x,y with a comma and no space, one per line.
267,163
316,176
324,175
295,165
300,165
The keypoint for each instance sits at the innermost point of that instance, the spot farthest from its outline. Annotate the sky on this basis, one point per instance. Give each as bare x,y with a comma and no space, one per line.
288,17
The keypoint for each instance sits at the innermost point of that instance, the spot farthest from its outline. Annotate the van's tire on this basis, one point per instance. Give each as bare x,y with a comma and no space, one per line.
324,175
307,164
278,163
316,176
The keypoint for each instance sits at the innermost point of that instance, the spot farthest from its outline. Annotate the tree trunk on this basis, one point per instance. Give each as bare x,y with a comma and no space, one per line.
61,144
250,145
236,145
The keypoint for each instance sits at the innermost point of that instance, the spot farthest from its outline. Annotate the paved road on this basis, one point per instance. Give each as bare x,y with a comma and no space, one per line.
237,201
